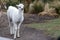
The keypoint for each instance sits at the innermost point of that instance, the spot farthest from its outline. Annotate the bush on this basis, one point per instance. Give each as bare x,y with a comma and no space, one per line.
27,4
11,3
56,5
37,7
45,1
58,10
26,7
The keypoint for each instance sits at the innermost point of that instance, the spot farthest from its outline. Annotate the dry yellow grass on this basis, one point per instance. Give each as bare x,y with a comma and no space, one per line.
55,3
48,11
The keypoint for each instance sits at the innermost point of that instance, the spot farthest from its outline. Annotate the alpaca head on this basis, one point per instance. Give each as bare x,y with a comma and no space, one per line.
20,6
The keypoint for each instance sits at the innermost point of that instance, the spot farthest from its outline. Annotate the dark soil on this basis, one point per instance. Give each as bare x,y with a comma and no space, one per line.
30,18
26,33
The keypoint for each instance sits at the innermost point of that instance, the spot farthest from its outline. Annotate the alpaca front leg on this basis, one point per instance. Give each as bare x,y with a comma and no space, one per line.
15,30
18,35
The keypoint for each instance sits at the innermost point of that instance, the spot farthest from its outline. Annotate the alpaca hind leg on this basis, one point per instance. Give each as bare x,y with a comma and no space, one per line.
15,30
10,26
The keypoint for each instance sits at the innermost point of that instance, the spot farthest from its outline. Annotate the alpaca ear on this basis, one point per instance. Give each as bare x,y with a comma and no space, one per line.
23,5
17,5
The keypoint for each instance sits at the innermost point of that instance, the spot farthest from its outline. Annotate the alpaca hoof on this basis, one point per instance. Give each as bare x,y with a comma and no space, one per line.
18,36
14,38
12,34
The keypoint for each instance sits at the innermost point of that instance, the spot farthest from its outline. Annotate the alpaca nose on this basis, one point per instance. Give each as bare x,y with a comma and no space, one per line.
22,9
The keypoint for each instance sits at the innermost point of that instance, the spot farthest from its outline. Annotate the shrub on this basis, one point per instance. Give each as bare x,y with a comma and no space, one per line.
56,5
37,7
11,3
57,10
26,7
27,3
45,1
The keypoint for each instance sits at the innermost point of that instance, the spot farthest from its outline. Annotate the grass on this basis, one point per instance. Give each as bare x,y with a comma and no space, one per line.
52,27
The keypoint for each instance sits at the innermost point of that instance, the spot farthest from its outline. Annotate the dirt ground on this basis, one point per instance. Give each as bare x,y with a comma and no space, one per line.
26,33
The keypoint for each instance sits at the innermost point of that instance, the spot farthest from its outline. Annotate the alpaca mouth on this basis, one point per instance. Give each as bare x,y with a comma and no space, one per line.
22,9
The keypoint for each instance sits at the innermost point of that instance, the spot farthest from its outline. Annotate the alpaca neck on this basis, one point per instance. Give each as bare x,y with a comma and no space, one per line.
21,12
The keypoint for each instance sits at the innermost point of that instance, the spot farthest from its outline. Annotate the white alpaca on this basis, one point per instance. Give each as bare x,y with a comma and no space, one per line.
16,17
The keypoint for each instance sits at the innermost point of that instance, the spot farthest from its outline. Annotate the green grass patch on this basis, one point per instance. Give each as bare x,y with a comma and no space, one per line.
52,27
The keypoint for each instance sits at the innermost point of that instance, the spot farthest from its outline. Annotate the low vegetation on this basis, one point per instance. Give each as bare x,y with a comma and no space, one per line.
51,27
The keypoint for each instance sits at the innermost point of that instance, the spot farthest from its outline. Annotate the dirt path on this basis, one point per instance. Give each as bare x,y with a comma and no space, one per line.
25,32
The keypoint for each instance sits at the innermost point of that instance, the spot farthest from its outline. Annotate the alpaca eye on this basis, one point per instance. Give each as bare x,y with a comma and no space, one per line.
19,7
